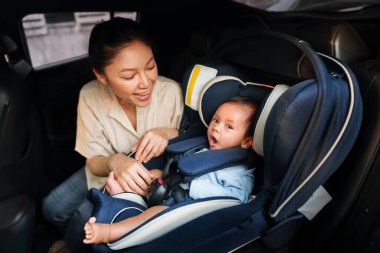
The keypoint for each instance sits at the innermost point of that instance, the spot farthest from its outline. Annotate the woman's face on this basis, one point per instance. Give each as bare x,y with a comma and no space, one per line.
132,74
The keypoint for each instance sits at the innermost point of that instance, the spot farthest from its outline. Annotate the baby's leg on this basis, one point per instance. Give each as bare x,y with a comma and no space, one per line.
96,232
135,221
101,232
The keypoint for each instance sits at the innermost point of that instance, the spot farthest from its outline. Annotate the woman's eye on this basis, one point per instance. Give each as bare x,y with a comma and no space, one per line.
128,77
151,67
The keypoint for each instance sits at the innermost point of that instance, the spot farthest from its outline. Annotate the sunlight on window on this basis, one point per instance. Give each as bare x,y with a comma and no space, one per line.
60,36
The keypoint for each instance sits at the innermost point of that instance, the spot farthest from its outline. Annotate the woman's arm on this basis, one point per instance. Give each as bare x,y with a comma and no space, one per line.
99,165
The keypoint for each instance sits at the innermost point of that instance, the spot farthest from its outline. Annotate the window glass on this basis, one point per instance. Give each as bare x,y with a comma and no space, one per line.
55,37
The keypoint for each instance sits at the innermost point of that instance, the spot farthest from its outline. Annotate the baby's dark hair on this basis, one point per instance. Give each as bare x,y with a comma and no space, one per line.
107,38
246,101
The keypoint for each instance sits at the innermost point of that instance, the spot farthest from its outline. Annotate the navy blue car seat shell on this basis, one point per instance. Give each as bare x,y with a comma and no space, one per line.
307,133
344,219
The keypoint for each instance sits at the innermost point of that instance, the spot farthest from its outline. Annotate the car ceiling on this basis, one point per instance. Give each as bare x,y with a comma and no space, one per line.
22,7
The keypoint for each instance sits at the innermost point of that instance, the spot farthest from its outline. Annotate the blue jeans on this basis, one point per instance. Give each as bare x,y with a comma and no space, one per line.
67,207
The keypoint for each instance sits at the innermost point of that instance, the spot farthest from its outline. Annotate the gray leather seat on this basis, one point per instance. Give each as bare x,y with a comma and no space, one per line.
17,208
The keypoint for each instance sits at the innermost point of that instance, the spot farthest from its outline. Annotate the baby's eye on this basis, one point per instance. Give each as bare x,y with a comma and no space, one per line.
215,120
229,127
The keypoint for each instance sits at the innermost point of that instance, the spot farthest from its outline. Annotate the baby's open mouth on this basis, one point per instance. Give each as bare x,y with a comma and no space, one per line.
212,141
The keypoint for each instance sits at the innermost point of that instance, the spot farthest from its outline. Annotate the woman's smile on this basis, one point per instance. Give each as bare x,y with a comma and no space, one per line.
143,96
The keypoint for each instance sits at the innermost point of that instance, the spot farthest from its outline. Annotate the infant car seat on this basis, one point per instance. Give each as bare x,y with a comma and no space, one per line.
304,131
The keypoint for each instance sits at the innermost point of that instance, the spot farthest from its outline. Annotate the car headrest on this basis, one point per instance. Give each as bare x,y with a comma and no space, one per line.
221,88
210,84
338,39
199,77
7,45
200,41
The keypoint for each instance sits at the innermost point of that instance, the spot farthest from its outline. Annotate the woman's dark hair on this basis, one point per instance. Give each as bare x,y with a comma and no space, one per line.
107,38
246,101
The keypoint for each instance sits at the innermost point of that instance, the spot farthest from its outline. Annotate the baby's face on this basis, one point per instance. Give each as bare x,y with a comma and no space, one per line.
228,126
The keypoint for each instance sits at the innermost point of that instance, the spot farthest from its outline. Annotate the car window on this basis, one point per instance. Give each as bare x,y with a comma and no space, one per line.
55,37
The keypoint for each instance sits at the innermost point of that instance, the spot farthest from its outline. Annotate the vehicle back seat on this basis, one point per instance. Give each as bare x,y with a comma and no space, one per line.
202,40
199,44
16,207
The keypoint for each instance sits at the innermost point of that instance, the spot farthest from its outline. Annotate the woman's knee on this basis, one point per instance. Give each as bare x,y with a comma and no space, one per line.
52,212
64,200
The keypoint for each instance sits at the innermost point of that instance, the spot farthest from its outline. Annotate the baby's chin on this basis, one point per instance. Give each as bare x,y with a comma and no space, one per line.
215,146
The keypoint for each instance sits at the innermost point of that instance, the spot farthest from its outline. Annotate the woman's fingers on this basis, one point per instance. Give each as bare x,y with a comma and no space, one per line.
152,144
148,152
153,148
149,155
156,150
135,186
141,146
135,178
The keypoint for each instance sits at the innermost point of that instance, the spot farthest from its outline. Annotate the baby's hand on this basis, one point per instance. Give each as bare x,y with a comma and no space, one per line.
112,186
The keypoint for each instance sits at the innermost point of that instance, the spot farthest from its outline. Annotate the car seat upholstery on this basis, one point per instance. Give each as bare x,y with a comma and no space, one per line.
340,40
16,207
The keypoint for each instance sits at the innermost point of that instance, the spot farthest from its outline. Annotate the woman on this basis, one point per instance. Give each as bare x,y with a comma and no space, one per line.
128,108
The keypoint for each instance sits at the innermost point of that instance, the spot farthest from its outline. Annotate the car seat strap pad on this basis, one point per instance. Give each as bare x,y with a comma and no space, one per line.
212,160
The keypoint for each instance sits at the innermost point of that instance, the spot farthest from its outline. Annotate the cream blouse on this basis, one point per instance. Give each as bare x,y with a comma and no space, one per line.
103,128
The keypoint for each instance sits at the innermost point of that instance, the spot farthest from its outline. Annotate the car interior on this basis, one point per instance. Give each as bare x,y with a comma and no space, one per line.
38,111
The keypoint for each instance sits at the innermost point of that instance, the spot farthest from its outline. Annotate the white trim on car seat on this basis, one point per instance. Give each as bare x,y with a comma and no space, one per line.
258,135
131,197
170,221
349,114
241,246
199,77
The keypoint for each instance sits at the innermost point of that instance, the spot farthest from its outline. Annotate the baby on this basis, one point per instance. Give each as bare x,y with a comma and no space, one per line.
231,126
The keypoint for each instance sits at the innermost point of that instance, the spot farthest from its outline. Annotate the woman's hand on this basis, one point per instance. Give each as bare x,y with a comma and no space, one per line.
153,143
130,174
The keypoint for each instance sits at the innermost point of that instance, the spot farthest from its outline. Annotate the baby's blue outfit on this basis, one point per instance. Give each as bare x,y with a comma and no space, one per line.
235,181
